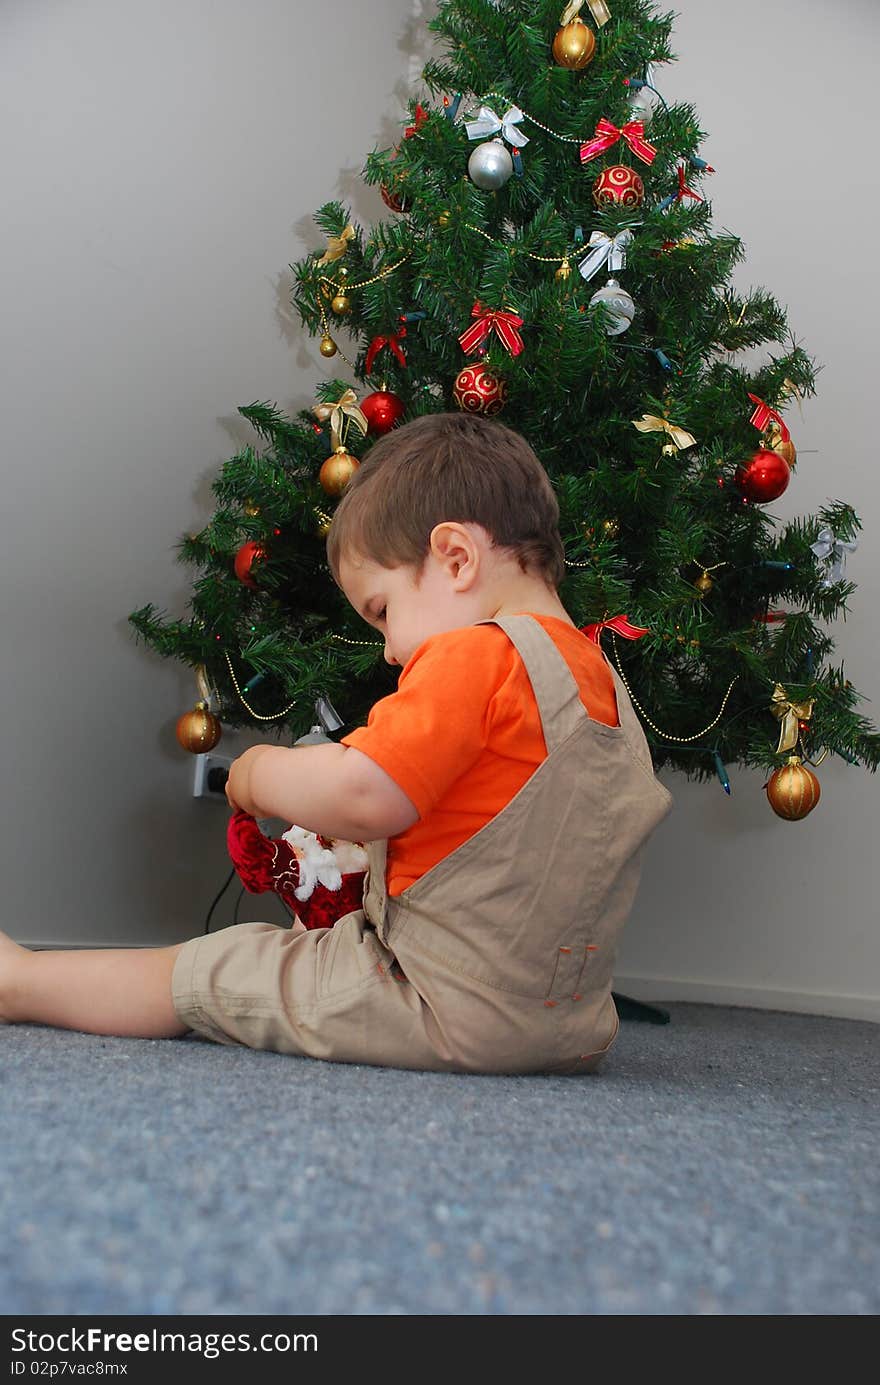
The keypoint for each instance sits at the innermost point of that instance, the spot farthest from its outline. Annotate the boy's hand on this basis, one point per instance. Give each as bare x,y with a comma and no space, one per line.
332,790
238,787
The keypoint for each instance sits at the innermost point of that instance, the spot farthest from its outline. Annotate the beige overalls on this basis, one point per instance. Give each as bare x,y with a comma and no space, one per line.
500,957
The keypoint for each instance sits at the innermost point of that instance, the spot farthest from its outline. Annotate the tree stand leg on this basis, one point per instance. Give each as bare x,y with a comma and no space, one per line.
637,1010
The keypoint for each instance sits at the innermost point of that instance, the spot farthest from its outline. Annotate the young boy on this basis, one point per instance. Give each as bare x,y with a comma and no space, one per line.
503,801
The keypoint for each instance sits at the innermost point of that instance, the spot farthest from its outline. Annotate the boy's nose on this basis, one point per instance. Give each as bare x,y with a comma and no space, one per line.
389,657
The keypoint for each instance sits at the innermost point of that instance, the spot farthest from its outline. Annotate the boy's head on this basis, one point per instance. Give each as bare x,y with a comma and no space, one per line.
446,515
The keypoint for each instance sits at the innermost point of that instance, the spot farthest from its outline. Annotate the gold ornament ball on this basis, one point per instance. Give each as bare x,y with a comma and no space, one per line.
250,508
337,471
341,304
785,449
574,45
793,790
328,346
324,527
704,584
198,730
611,528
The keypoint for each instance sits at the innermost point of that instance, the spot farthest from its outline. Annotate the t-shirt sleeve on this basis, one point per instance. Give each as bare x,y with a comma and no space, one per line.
433,728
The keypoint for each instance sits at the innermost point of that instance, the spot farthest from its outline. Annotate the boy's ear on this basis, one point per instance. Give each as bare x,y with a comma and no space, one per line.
455,547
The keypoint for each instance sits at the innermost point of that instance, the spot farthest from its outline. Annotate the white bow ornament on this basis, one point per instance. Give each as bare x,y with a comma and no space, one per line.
833,551
488,123
610,248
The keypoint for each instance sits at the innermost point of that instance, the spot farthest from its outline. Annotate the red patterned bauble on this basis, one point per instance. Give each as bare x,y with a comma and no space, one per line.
393,199
198,730
764,477
382,410
618,186
793,790
249,553
478,391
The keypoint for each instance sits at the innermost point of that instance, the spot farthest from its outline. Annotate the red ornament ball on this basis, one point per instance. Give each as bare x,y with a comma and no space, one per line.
618,186
382,410
249,553
478,391
393,199
764,477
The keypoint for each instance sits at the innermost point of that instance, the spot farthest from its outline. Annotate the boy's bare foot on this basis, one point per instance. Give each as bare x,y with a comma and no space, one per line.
11,954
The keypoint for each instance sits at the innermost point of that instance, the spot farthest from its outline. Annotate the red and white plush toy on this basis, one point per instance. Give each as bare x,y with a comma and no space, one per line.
319,878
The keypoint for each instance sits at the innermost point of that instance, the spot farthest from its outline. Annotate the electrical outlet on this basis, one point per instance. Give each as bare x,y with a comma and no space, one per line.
202,786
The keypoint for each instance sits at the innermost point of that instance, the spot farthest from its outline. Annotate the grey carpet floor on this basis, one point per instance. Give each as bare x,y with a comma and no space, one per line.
726,1163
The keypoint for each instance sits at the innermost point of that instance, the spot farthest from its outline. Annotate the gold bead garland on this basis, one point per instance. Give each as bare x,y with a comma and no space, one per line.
704,583
561,260
682,740
328,284
256,715
566,139
345,286
328,337
372,644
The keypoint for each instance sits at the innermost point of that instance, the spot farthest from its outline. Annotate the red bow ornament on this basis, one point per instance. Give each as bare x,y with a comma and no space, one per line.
421,117
684,190
619,624
392,342
762,415
488,319
632,132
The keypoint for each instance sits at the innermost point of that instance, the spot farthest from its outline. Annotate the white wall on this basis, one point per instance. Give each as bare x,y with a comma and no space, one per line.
737,905
162,163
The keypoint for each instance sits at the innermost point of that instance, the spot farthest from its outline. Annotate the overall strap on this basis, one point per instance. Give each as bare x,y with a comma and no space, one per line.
630,724
556,692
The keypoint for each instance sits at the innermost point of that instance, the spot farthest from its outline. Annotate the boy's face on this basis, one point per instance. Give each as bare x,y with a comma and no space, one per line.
405,611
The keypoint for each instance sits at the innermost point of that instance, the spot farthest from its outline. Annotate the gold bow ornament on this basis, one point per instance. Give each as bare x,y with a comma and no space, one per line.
789,714
206,692
598,9
650,423
346,407
337,245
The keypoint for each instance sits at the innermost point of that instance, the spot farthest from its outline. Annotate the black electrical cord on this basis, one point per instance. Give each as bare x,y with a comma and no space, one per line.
227,882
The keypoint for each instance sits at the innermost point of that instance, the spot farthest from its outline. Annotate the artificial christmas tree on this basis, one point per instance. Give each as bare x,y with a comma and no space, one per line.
548,257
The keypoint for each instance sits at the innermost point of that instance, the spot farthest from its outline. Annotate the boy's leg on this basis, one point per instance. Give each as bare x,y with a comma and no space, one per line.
123,991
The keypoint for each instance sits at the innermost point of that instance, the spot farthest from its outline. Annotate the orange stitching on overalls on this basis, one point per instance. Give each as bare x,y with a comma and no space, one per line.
551,1004
553,977
590,947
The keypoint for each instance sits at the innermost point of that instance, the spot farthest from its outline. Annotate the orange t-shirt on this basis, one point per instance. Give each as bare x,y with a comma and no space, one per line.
462,734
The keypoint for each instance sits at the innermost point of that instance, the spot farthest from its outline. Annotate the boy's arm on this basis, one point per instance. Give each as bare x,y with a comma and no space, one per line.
333,790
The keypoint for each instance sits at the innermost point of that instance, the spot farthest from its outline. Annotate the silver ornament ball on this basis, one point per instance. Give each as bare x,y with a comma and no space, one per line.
619,307
642,103
490,165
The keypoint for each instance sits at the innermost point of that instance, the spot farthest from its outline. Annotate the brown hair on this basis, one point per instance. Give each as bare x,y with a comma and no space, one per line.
448,467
